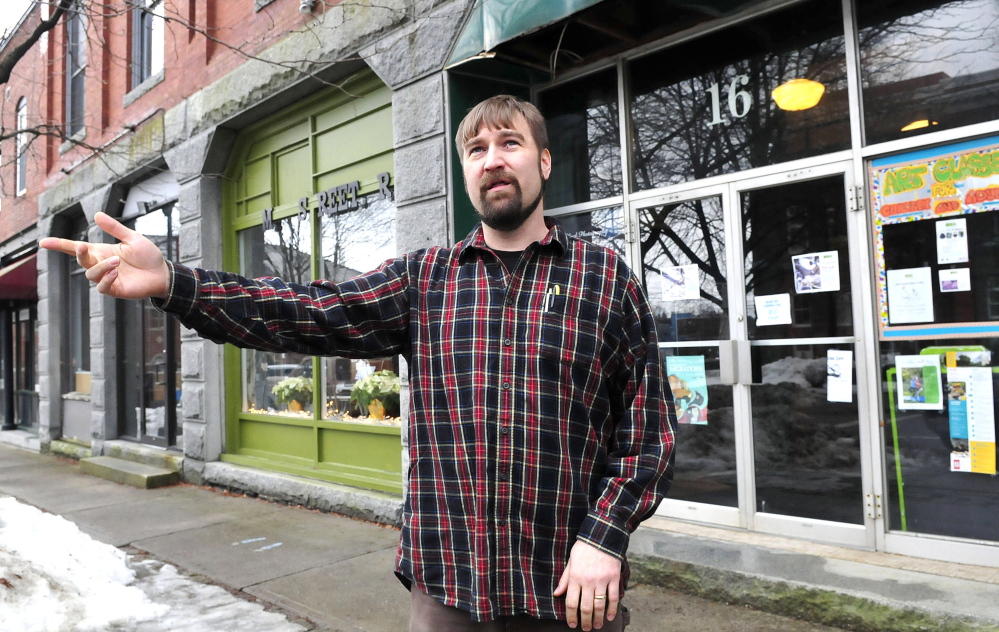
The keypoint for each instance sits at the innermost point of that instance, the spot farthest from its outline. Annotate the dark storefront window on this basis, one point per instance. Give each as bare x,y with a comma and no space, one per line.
585,140
149,346
708,107
927,66
933,485
19,346
77,364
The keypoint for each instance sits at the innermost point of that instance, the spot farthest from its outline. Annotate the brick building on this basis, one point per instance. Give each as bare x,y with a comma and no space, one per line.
805,188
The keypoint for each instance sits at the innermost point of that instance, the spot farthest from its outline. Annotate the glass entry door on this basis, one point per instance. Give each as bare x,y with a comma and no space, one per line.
751,284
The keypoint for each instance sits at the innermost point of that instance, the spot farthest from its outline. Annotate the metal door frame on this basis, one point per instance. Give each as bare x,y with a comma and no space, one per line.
737,348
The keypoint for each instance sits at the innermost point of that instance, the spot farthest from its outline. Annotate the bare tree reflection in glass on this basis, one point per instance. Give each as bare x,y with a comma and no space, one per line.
927,67
687,233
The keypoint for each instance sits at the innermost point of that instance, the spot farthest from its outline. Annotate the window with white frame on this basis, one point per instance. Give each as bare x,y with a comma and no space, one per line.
21,158
147,40
76,64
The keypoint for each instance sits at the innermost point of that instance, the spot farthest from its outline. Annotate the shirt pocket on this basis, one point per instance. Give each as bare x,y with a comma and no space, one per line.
571,331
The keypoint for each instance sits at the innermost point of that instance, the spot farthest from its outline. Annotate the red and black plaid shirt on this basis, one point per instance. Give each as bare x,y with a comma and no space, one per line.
539,412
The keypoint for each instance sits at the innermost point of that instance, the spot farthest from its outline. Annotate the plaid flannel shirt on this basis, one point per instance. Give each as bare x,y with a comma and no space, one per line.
539,411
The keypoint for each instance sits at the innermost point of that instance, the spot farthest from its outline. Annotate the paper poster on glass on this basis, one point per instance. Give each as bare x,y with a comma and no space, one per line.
839,375
919,386
957,280
681,283
689,383
971,416
816,272
910,296
774,309
952,241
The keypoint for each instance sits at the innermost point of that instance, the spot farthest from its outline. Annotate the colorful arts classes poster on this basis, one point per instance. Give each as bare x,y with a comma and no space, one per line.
689,383
940,183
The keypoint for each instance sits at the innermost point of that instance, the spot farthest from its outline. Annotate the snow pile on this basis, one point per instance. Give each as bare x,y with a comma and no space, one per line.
53,577
800,371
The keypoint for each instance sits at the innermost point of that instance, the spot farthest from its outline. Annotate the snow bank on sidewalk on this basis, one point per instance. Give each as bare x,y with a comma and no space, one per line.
56,577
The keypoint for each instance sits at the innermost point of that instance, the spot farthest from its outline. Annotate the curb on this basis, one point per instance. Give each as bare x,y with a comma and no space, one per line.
825,607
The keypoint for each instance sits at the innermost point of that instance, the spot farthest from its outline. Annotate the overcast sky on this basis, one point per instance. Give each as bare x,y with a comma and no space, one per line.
10,12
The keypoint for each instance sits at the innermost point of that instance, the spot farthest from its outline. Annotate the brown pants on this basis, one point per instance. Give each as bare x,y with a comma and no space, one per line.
426,614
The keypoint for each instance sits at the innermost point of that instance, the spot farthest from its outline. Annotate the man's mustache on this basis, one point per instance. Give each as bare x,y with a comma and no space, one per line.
498,177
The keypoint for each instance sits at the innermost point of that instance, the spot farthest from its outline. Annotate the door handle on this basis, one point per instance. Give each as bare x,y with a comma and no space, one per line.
734,362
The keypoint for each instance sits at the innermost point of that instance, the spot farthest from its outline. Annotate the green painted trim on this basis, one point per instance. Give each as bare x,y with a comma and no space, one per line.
890,375
333,424
354,476
328,424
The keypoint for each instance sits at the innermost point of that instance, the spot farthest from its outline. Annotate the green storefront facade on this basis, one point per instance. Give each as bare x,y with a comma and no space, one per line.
308,195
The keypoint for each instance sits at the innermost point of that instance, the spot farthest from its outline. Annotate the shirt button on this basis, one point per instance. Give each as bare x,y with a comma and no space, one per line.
509,301
503,476
507,342
505,429
506,386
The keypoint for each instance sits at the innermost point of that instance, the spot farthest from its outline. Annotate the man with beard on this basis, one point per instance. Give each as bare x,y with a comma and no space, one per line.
540,424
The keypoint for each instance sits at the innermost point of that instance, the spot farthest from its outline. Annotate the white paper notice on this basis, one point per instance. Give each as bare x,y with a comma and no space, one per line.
681,283
774,309
952,241
839,375
816,272
910,296
958,280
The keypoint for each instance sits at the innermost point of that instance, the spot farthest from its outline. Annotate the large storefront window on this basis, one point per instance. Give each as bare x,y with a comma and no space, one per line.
935,228
760,93
351,242
927,67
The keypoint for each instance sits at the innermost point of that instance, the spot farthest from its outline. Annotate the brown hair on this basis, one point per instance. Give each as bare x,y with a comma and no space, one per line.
499,112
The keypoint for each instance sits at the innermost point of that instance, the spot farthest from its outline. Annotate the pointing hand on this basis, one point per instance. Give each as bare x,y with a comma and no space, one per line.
132,268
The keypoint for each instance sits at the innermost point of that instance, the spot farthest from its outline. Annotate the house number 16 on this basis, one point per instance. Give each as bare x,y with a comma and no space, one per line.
739,101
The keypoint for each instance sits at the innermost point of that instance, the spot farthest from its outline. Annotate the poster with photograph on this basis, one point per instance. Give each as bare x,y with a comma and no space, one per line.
689,383
919,385
774,309
681,283
971,412
952,241
958,280
910,296
839,375
816,272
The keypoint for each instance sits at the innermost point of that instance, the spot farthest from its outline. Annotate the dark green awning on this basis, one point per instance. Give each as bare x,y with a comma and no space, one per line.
493,22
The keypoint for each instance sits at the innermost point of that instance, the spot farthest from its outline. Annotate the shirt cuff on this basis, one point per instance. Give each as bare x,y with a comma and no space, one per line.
604,535
183,292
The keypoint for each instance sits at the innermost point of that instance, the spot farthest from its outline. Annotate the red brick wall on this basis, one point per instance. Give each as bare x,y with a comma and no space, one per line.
225,33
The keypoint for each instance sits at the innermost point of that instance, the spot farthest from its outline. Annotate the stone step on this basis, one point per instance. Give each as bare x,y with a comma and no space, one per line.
147,455
128,472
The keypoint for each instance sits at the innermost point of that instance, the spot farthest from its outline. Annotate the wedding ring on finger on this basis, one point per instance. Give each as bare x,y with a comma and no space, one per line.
600,596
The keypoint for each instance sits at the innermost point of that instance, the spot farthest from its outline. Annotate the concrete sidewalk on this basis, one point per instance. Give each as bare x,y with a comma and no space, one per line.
335,572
